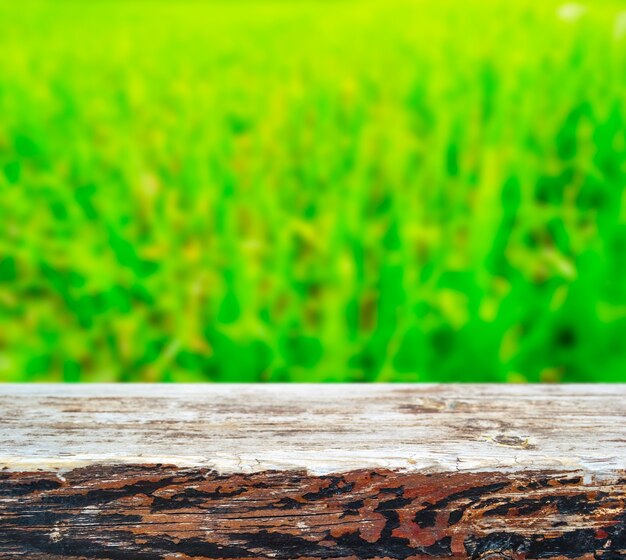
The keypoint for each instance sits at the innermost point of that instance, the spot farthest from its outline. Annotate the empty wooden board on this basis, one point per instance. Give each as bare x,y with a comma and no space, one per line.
312,471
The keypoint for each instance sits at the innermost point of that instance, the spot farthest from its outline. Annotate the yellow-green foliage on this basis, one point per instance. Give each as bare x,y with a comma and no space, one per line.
312,190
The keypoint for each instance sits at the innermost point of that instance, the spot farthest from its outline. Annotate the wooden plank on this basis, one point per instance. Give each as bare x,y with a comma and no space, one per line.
309,471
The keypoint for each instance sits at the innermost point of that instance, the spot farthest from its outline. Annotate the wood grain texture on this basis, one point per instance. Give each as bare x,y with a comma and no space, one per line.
304,472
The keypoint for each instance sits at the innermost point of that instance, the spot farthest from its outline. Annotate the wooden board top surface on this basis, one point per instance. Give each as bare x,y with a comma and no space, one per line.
318,428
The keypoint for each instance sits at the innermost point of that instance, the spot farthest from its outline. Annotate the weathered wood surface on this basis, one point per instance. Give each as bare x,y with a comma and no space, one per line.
311,472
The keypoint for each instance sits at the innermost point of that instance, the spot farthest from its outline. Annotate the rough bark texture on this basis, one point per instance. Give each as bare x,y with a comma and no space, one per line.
65,492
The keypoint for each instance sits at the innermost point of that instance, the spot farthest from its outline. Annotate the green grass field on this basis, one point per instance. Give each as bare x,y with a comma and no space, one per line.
312,190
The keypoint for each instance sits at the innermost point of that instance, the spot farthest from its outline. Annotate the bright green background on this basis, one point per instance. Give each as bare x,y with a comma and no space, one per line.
378,190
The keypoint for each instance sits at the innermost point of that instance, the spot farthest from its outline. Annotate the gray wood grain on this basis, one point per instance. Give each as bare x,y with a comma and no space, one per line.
319,428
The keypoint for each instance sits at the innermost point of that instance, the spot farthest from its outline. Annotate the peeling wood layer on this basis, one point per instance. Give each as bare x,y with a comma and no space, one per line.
163,512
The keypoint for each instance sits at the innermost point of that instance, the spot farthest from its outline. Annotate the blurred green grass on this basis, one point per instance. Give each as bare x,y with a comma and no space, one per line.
312,190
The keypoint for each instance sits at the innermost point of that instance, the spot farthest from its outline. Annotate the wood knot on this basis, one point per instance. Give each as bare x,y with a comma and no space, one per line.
516,442
424,405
